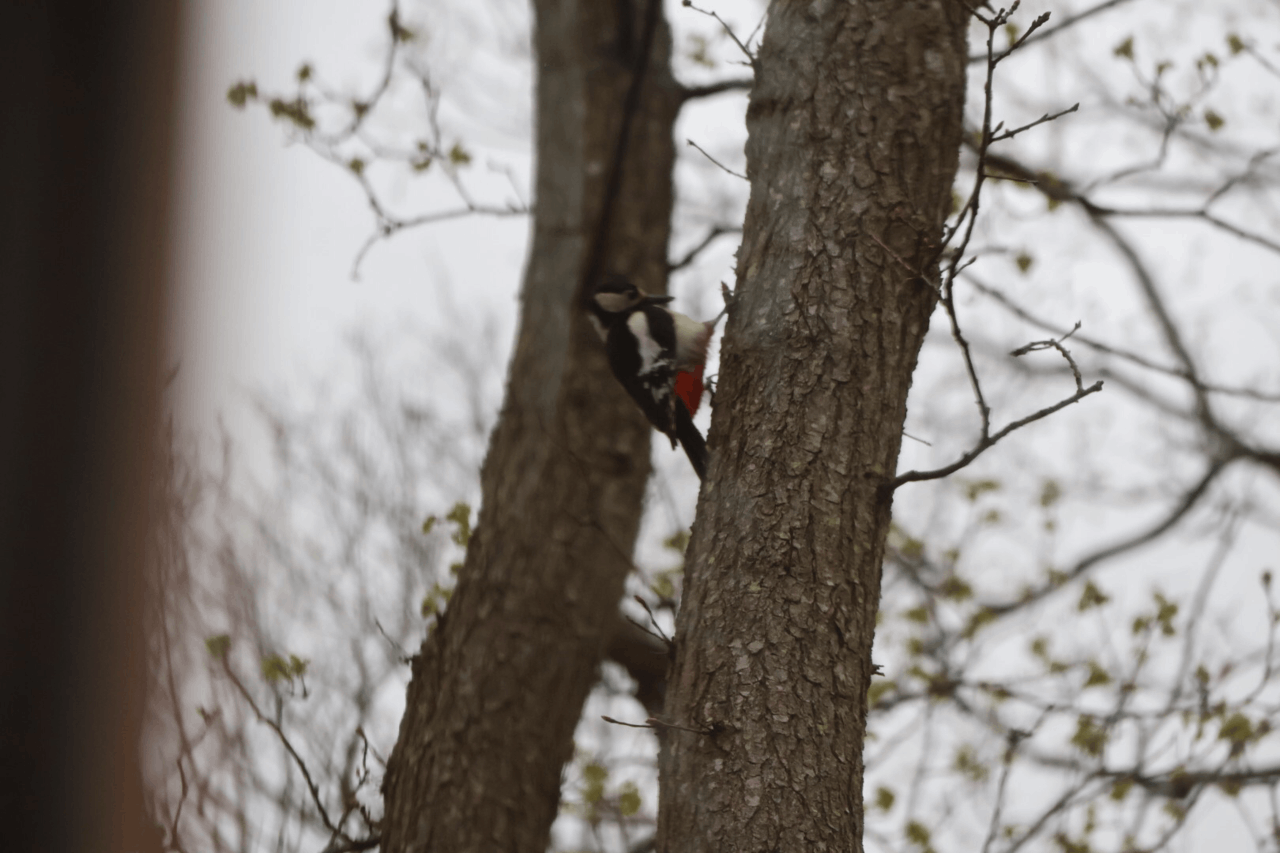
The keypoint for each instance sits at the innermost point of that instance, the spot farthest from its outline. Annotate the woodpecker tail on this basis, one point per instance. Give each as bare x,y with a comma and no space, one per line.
695,447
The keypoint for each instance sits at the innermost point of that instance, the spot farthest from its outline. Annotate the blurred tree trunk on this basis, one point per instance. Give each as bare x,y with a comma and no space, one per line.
84,233
498,685
854,129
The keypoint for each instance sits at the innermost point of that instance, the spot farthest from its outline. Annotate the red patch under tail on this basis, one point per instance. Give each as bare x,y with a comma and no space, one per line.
689,388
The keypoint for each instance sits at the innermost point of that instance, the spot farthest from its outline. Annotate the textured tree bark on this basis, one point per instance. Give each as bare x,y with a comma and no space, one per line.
854,129
498,685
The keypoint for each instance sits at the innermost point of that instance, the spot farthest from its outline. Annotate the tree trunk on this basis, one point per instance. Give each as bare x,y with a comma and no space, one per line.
854,129
498,685
85,233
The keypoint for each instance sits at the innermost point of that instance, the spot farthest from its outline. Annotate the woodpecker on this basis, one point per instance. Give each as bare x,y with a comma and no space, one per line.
658,355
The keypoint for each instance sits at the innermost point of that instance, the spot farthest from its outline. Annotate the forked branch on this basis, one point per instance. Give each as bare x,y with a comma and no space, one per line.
339,840
955,263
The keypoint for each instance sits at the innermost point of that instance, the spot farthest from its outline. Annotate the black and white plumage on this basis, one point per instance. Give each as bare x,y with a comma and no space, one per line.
658,355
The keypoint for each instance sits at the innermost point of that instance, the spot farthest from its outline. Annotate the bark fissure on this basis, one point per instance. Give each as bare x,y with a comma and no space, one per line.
854,129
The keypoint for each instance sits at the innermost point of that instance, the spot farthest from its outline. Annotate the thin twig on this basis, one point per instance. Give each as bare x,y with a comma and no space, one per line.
1055,343
654,622
655,723
389,225
1237,179
1155,301
611,720
1014,737
1133,357
692,254
956,264
1047,117
1261,60
1226,541
896,256
751,57
175,841
689,93
402,654
982,446
1100,218
352,137
354,845
1049,31
714,160
1189,500
969,217
1193,213
284,741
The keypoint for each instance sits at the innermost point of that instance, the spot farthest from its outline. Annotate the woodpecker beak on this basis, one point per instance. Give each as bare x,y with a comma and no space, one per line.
657,299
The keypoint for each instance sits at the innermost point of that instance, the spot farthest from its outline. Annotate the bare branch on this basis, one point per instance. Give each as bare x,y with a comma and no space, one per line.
1099,216
1055,343
655,723
1249,171
1259,58
1197,213
1155,301
1133,357
689,93
1058,806
657,629
350,146
692,254
285,742
1189,500
956,264
348,845
1069,21
645,658
362,107
948,301
1013,738
1036,24
614,722
1047,117
751,57
983,445
389,225
1199,601
714,160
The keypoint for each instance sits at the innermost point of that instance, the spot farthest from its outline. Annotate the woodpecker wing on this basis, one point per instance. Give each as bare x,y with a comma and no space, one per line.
642,356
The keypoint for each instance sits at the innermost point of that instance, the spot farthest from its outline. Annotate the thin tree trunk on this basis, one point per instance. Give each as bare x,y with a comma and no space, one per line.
854,129
499,683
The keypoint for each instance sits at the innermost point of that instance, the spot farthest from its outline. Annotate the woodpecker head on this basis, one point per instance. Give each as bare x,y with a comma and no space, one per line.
615,295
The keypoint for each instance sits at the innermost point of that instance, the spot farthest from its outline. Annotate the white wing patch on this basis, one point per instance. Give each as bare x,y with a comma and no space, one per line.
651,355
